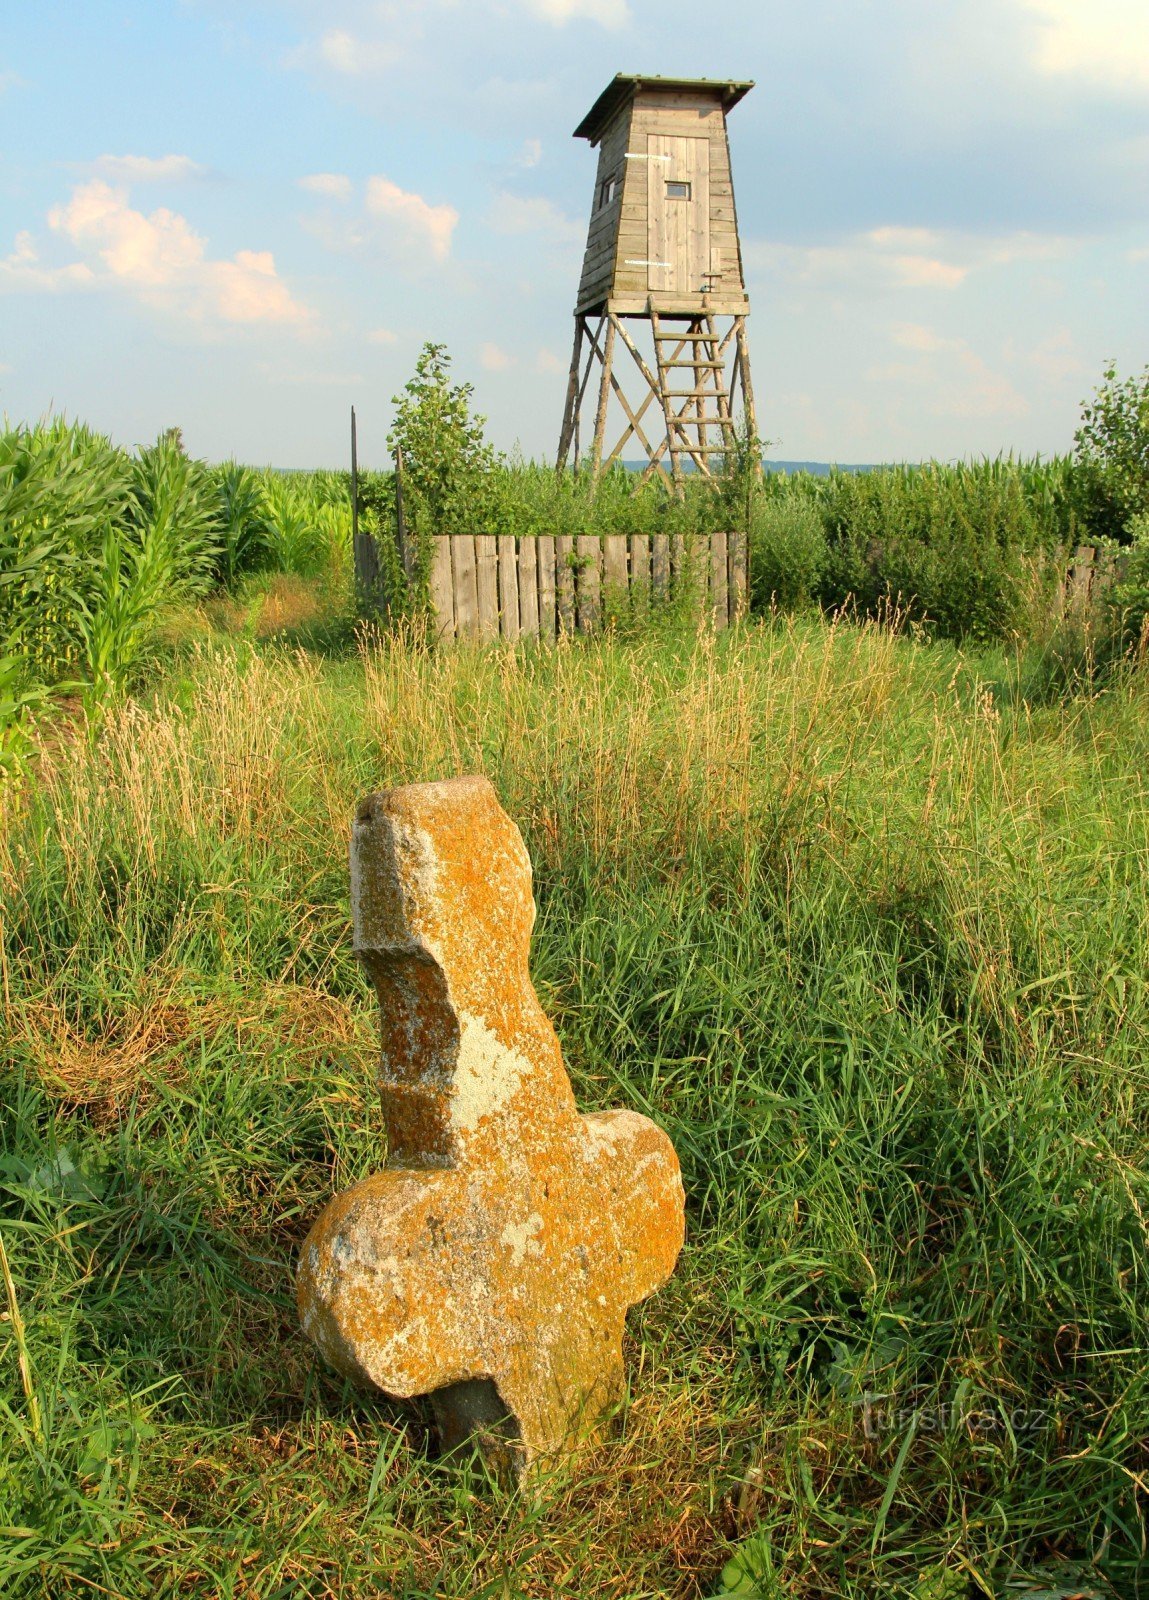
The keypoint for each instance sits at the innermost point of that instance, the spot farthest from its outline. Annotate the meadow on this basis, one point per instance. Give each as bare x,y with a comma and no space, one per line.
851,899
858,923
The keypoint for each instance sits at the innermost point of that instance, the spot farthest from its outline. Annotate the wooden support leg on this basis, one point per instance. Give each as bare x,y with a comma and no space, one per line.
566,437
743,359
603,400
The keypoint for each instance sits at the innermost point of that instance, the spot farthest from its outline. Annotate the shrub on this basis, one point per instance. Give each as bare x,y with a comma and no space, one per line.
1131,596
1111,459
953,546
788,553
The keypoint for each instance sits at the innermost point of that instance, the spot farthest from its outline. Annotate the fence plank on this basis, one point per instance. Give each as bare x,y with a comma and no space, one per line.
614,571
660,567
466,587
678,569
689,564
719,580
640,570
736,545
564,583
487,584
508,587
589,552
529,586
1081,574
442,589
547,586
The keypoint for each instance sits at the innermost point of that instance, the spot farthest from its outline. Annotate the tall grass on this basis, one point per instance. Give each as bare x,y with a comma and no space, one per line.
868,941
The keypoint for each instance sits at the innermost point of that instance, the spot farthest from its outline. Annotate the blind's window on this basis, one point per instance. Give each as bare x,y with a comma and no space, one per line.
607,191
677,191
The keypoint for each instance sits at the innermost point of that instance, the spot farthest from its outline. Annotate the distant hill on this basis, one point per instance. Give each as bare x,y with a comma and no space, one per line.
820,469
817,469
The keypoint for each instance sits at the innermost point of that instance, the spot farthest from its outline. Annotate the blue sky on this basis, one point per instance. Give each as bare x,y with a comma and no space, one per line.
243,217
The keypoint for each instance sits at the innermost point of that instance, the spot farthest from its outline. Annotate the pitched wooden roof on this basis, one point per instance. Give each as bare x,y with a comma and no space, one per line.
625,86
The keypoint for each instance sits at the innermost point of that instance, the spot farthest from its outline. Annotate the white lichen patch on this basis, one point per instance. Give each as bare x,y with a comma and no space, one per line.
487,1075
519,1238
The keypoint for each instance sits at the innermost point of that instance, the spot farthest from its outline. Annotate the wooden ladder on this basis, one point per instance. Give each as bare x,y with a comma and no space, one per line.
705,406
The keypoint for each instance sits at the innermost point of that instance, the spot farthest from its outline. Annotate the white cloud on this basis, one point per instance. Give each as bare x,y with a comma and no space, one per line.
913,336
547,362
355,58
1106,40
329,185
24,270
382,336
514,214
165,263
955,380
531,153
494,359
610,13
891,258
148,169
419,223
1056,358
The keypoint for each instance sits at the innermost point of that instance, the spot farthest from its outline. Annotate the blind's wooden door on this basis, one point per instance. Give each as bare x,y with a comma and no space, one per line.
678,212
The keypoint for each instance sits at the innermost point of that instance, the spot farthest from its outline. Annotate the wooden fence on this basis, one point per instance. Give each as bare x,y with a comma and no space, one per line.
503,587
1091,574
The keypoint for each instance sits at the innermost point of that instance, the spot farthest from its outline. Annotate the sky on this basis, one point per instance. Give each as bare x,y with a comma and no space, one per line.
244,216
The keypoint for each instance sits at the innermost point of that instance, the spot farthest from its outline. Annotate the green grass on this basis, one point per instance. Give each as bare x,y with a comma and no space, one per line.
867,939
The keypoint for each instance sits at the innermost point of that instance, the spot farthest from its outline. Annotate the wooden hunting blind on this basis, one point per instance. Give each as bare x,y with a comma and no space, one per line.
663,250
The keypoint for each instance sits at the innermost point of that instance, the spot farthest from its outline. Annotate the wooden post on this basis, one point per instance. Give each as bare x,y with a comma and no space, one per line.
354,486
365,552
400,516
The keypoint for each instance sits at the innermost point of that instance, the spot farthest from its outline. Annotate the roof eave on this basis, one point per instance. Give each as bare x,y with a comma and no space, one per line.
625,86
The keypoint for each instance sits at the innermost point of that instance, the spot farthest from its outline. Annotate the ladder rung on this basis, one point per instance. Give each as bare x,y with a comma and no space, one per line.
666,365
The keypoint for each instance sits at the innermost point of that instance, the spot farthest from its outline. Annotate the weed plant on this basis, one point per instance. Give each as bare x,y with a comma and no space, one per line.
867,939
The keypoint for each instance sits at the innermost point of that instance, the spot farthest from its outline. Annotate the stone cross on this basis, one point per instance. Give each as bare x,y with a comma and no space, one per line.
491,1263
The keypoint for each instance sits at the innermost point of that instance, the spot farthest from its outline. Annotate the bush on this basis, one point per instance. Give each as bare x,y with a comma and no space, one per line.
1111,459
955,547
1131,596
788,553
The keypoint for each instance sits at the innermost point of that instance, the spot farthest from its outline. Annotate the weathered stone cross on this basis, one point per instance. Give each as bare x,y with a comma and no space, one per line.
491,1263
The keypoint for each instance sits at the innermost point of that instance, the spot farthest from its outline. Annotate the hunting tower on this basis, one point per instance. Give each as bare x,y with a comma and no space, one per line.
662,250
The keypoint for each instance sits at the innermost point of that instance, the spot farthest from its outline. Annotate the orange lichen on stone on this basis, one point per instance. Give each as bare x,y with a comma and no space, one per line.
491,1264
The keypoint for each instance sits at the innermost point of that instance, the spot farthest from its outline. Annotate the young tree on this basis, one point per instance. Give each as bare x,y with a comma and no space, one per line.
447,463
1111,458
